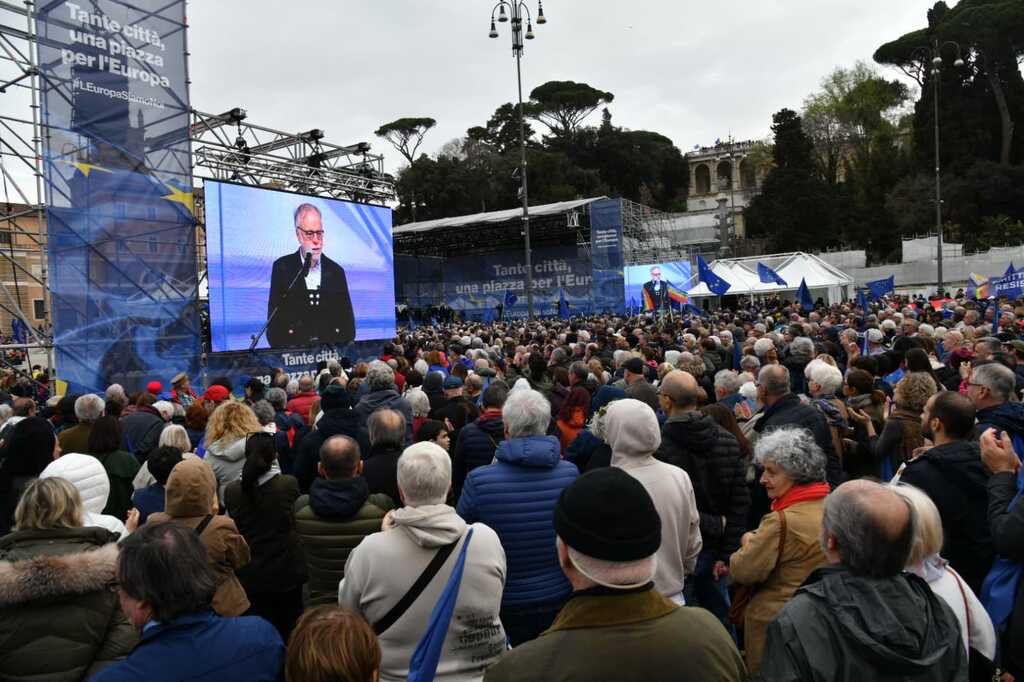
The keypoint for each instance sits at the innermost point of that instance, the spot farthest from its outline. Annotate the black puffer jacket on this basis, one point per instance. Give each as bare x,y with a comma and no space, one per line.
341,421
790,411
711,456
476,445
954,477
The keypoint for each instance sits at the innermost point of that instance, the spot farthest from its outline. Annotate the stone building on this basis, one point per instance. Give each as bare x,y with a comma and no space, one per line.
26,253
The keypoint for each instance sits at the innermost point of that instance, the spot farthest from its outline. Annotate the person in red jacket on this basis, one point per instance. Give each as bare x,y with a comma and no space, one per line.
303,400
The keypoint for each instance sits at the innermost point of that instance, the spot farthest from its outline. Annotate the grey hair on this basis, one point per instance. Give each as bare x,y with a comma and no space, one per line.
116,393
775,379
762,346
828,377
89,407
866,546
802,345
165,408
424,474
998,378
750,363
175,436
613,574
380,376
383,433
991,344
727,380
277,397
526,413
794,450
420,403
306,383
303,209
293,386
5,412
264,412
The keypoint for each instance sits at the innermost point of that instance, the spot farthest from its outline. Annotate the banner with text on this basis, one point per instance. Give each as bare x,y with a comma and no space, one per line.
606,255
120,214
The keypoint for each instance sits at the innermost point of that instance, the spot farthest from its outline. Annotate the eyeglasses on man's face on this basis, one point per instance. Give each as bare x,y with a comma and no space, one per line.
311,234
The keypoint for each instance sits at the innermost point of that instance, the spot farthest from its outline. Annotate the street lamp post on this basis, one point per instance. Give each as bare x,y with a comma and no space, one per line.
934,55
513,11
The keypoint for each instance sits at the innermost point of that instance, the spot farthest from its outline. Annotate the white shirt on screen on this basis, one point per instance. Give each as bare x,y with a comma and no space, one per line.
313,278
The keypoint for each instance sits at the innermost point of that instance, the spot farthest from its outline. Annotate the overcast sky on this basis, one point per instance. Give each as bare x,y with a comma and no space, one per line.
690,70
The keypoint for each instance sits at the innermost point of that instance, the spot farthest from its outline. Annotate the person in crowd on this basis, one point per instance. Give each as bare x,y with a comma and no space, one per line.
572,416
952,474
976,628
151,498
105,445
862,617
387,440
173,435
1006,524
336,515
226,432
90,479
88,408
457,409
824,381
303,399
181,390
290,429
166,588
711,458
191,501
330,644
589,449
255,391
608,532
726,418
434,431
901,436
58,618
990,387
775,558
262,506
196,418
420,404
433,387
382,394
339,419
515,496
727,388
861,394
141,429
411,539
478,440
636,384
31,446
633,434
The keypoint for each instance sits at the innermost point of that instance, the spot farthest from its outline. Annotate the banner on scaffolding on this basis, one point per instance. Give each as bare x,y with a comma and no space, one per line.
117,178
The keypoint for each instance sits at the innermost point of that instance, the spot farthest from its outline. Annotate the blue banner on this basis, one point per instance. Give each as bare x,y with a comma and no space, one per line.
606,255
1010,286
880,287
120,214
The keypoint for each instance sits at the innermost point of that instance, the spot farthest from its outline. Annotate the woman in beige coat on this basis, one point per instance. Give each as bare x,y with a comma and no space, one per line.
782,551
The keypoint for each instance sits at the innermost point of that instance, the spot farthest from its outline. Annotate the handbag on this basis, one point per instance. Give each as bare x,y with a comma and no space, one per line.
744,593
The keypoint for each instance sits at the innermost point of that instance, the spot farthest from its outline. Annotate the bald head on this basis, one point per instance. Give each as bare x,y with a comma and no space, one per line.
340,457
682,391
868,528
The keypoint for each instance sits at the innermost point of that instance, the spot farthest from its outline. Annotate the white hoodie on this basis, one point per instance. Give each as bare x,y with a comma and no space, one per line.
383,567
87,474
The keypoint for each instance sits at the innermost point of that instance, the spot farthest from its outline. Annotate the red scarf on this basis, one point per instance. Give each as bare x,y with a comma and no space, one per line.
800,493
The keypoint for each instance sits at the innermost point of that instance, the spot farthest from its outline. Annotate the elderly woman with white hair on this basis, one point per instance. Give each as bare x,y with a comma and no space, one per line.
823,382
925,562
632,432
774,559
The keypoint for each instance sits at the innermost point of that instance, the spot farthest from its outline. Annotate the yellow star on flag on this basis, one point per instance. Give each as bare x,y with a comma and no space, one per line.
183,198
86,168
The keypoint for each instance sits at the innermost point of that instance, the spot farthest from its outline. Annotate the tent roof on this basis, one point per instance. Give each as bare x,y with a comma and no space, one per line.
492,216
741,274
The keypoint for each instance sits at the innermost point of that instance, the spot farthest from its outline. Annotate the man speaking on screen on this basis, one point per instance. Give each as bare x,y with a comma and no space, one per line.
655,291
309,302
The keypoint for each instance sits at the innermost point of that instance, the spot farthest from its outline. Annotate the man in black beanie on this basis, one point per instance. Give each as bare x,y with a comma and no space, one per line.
616,622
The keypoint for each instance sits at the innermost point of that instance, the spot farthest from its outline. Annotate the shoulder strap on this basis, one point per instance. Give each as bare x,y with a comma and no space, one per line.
416,590
782,535
963,595
203,524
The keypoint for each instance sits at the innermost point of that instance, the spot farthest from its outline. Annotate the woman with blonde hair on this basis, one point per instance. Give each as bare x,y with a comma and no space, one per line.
226,430
58,618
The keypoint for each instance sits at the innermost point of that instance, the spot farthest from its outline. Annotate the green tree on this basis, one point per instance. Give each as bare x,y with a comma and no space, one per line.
406,136
563,105
502,129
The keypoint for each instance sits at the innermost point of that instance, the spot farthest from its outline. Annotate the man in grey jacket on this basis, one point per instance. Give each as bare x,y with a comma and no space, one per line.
409,541
380,379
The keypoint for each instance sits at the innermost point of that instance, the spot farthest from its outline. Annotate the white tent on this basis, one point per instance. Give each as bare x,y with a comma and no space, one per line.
822,279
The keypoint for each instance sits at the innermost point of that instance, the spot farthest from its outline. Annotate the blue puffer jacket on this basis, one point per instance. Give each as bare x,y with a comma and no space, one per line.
516,497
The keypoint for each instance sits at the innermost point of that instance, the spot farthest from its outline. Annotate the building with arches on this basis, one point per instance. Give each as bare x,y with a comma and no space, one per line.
723,171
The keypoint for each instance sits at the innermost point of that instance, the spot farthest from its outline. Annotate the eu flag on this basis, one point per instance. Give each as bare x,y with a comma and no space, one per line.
881,287
716,284
563,305
769,276
804,296
862,300
510,299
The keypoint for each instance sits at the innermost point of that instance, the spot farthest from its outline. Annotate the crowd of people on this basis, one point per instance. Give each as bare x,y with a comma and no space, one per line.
760,493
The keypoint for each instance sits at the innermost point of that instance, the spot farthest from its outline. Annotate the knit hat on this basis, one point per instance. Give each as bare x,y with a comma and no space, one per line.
631,428
216,393
334,397
634,365
154,387
452,382
607,514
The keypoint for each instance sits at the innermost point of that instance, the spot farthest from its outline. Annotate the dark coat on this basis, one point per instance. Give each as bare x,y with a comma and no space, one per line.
387,398
1008,417
476,446
516,497
58,619
298,322
845,628
338,422
658,298
643,391
710,455
625,635
267,522
204,647
955,478
1007,526
140,432
76,438
121,468
380,469
331,521
291,429
790,411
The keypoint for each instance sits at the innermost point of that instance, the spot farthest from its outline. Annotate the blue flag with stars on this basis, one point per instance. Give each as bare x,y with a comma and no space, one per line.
769,276
715,284
804,296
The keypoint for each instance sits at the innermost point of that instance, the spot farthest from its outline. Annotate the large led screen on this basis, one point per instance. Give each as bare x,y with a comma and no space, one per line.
315,271
655,286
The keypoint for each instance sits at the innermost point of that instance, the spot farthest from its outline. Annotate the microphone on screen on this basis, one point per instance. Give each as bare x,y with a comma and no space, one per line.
307,265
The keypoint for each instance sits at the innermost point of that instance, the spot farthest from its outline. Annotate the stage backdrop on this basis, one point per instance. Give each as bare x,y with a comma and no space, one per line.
248,228
122,266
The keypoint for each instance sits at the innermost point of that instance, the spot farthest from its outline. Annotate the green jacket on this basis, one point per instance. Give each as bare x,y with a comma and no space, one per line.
59,621
331,521
627,636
